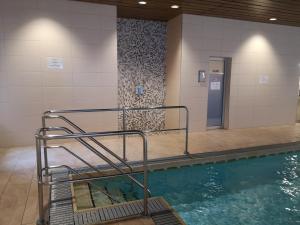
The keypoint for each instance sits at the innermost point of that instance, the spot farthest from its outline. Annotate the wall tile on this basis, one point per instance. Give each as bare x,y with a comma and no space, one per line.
24,64
21,48
86,20
3,79
88,97
212,27
3,94
94,79
87,36
58,98
24,78
57,79
257,50
25,94
32,32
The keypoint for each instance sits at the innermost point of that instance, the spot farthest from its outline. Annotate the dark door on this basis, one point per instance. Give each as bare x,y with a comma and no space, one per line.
215,93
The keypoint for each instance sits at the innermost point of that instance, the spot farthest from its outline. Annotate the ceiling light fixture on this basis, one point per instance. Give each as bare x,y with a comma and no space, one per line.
174,6
273,19
142,2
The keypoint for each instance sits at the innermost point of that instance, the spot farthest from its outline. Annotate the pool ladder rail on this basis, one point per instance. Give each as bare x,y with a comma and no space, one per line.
122,167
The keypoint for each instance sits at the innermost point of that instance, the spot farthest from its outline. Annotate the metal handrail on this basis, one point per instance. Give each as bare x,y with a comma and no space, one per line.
114,109
91,148
82,131
124,110
39,138
74,154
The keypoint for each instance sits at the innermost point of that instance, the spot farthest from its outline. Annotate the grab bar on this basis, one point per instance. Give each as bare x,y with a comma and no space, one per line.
44,137
91,138
91,148
125,109
72,153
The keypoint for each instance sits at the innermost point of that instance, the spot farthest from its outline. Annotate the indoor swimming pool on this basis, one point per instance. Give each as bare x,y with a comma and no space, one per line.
251,191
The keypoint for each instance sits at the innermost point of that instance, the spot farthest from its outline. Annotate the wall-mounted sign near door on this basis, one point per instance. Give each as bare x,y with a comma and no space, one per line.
215,85
201,76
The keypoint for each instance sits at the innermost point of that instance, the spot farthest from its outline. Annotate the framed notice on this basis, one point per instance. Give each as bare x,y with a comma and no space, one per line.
215,85
55,63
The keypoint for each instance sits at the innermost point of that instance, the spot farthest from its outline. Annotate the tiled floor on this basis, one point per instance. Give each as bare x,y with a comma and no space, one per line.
18,189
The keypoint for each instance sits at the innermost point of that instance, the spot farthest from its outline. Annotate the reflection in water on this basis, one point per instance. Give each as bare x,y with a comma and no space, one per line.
260,191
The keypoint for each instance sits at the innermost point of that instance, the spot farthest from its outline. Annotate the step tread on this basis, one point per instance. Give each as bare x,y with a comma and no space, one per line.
99,198
116,193
83,196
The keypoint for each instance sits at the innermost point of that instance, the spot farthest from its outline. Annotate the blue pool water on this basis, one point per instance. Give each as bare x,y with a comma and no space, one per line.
254,192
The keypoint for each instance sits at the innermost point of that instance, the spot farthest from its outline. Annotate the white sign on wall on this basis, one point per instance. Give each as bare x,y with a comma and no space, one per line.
264,79
55,63
215,85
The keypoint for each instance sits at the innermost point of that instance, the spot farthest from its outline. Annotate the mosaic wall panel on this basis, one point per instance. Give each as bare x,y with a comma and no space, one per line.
141,61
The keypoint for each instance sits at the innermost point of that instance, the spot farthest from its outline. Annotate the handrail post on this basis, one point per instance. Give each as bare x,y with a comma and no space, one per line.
186,131
145,153
124,135
44,147
41,219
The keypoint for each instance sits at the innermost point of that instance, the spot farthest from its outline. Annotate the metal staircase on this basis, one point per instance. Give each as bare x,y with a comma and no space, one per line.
45,172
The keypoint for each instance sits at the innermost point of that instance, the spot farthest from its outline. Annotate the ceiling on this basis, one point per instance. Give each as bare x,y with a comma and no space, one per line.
286,11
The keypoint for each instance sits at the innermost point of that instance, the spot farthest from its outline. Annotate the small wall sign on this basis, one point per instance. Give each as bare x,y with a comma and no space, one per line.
55,63
264,79
139,90
201,76
215,85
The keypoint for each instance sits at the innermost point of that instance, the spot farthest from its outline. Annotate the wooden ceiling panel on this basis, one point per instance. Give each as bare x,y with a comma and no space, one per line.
286,11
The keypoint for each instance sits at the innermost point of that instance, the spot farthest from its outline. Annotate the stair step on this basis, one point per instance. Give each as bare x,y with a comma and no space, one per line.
83,196
116,193
130,196
99,198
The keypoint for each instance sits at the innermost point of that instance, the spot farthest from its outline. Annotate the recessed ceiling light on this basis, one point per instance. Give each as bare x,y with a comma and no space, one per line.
273,19
174,6
142,2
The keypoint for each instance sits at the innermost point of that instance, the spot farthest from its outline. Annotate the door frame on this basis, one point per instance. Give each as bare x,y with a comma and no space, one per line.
226,97
226,92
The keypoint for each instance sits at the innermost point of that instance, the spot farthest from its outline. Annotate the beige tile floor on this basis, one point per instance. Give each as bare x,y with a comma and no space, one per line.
18,189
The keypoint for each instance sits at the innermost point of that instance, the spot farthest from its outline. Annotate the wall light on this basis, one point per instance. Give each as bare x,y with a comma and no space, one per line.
273,19
142,2
175,6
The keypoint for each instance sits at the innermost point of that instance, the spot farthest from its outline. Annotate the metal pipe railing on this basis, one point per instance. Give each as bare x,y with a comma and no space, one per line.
39,138
72,153
124,110
91,138
91,148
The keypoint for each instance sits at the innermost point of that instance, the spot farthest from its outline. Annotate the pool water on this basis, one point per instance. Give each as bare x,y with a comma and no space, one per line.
254,191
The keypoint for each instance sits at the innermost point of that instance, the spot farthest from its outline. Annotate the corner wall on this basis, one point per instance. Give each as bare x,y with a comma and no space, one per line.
173,68
84,36
264,74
